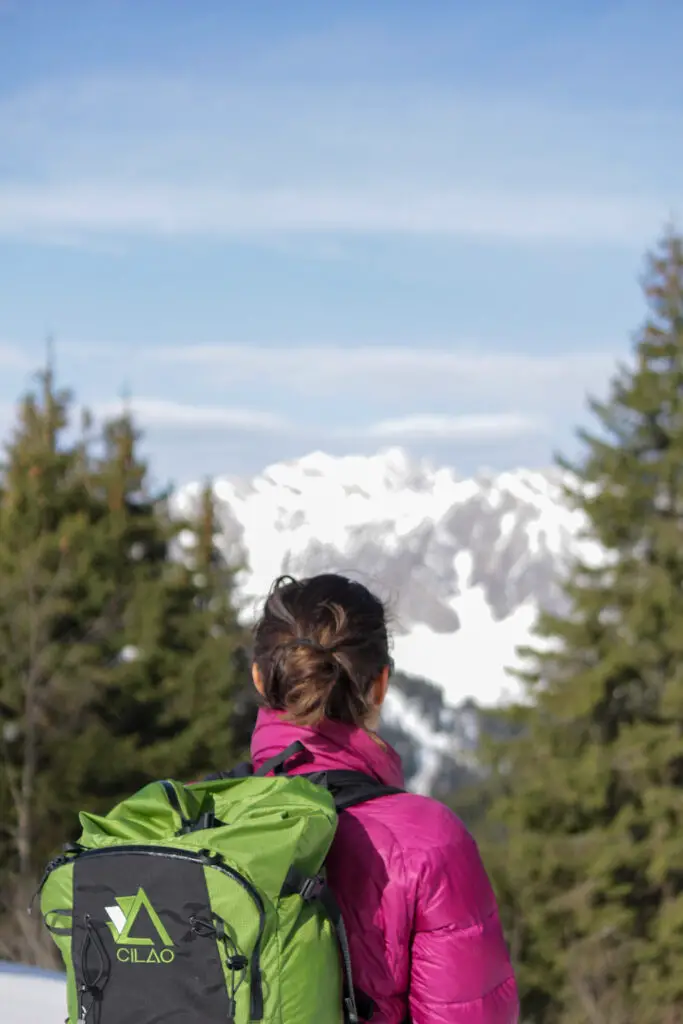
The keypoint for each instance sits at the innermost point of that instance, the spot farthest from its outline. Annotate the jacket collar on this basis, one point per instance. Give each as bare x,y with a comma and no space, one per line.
329,746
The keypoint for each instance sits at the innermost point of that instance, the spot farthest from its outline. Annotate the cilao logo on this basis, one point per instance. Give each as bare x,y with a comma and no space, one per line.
132,950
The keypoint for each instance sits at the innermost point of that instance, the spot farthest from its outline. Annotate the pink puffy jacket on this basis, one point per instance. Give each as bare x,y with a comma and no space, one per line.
423,925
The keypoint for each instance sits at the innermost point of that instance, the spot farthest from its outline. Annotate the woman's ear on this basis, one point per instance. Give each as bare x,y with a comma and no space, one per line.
257,678
380,687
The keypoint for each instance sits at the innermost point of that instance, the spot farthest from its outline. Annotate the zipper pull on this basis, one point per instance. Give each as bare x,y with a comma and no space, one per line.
82,1012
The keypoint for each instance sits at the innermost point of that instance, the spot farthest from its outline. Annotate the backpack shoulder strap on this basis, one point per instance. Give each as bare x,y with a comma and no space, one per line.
275,764
349,789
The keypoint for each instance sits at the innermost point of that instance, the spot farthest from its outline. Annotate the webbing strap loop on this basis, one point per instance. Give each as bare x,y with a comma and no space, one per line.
277,763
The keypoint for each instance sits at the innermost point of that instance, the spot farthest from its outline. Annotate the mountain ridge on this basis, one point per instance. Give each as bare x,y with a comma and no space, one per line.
464,564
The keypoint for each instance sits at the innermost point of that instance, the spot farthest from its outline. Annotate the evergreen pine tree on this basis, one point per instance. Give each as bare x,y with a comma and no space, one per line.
119,657
48,526
221,687
166,693
129,701
591,869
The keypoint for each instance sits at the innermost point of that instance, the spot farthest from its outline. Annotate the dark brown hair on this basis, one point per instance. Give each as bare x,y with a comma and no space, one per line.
319,646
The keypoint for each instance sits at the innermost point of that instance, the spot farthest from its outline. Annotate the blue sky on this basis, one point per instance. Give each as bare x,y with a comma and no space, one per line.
282,227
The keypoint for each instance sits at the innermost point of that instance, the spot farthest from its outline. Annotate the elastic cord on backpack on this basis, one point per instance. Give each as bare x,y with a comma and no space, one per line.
235,961
236,964
90,988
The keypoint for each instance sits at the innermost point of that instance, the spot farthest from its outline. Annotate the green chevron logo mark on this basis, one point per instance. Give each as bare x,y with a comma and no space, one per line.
122,918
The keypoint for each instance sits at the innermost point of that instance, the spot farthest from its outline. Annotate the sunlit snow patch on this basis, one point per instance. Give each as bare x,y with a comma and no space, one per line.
29,995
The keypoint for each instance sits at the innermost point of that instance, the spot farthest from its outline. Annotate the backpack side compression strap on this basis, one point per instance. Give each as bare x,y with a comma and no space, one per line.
356,1004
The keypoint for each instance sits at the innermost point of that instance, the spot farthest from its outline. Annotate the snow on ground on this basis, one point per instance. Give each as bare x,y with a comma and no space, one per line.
31,996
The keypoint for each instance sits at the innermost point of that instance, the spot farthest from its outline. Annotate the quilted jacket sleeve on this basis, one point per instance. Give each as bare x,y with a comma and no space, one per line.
461,971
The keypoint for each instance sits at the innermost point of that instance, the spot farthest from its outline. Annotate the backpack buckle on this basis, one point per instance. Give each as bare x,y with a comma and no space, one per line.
311,888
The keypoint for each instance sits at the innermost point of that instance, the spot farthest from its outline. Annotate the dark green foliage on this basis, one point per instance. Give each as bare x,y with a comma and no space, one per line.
120,649
590,866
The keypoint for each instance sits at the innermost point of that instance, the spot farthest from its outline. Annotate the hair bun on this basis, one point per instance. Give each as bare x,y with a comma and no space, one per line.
304,641
320,645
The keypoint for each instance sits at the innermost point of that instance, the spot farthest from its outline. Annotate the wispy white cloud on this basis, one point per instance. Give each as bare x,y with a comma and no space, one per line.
463,358
197,210
362,393
405,373
455,428
239,156
164,414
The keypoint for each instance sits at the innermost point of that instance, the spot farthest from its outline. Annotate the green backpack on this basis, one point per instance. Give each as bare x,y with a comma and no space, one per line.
207,903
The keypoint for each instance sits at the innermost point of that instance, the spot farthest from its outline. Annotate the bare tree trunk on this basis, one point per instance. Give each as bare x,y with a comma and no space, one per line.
30,751
23,938
26,789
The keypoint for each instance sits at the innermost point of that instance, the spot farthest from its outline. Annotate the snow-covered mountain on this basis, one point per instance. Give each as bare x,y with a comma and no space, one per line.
464,564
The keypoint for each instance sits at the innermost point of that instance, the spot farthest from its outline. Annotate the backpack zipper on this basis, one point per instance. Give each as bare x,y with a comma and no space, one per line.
56,862
209,860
